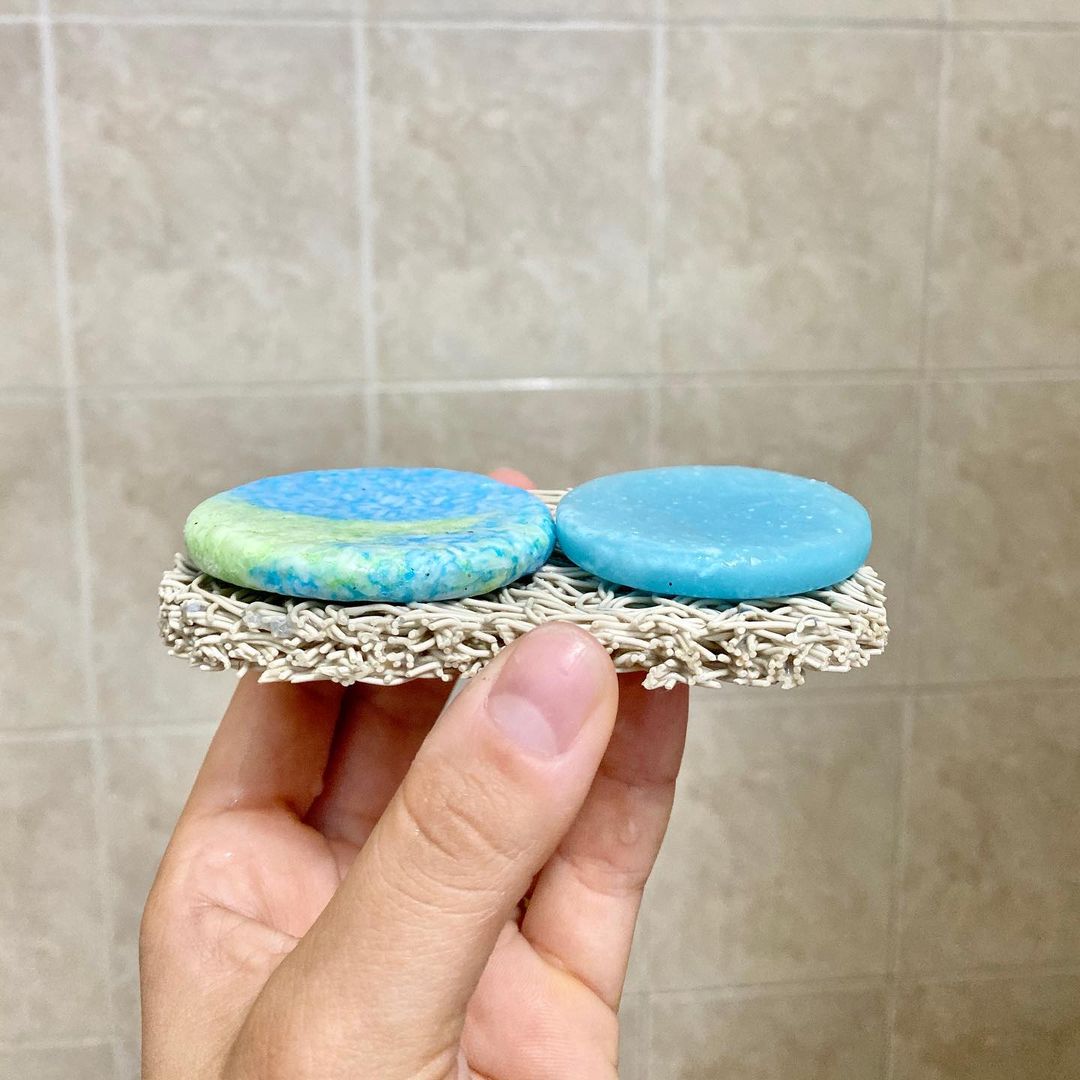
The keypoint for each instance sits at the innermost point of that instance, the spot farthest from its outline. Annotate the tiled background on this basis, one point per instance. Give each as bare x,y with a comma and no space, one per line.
840,237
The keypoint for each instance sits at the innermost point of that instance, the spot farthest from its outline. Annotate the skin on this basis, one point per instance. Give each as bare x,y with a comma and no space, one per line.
370,883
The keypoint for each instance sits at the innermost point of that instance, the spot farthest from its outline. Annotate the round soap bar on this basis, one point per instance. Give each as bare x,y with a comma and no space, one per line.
720,532
399,535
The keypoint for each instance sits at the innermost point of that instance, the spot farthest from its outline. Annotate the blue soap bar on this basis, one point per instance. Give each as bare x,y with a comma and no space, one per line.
395,535
721,532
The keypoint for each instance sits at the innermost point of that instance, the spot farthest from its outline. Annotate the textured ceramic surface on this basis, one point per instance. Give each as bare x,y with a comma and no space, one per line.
796,165
402,535
41,676
511,176
714,531
52,983
1005,261
28,355
1023,1027
210,187
714,1035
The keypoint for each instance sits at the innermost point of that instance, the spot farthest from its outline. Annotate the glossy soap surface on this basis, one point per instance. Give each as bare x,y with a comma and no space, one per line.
721,532
350,535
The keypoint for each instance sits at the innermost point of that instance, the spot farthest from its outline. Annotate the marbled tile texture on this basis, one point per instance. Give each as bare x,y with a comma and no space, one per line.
839,238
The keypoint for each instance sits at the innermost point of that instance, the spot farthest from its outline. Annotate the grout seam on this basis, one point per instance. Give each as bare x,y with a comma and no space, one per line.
924,370
640,380
735,23
366,225
167,729
77,482
91,1042
896,909
656,186
780,988
913,662
813,987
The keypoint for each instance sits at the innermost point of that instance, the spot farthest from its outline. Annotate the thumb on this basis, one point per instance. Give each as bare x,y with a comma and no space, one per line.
389,967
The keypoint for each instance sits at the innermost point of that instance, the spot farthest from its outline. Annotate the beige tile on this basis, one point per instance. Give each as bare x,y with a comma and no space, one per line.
808,9
797,181
511,183
147,780
148,463
999,582
28,343
820,1036
50,912
41,676
511,9
1027,1028
634,1037
860,438
18,7
778,862
557,437
92,1062
1012,11
1006,260
993,833
212,230
129,1061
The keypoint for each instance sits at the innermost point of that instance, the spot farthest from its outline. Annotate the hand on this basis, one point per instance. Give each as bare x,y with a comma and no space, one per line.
364,884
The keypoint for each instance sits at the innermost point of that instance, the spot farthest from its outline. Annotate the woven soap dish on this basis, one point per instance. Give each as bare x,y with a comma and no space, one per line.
699,642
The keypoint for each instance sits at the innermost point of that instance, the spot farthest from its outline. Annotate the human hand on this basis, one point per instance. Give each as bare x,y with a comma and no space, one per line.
345,892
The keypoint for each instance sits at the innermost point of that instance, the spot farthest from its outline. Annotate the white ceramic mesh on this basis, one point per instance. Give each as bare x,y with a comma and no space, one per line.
674,640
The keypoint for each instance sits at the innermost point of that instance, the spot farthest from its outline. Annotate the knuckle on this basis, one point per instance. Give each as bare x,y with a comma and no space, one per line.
459,827
608,875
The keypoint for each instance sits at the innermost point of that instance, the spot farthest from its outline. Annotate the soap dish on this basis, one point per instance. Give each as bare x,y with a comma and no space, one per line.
673,640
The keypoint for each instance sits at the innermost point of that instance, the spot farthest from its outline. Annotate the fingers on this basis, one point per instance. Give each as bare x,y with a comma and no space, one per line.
529,1019
585,903
490,793
270,749
513,477
380,730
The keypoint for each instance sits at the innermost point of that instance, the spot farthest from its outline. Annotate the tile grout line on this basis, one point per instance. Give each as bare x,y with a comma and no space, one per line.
896,911
647,1036
786,378
366,225
90,1042
16,736
77,482
656,217
850,984
737,23
923,372
914,660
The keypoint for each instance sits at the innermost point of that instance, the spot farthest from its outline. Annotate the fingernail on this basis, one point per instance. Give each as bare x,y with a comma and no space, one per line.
547,689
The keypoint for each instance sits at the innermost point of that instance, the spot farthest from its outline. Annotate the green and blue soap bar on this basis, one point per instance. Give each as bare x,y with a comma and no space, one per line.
350,535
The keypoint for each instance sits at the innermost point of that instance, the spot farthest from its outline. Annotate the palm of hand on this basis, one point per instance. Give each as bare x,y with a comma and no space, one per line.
289,806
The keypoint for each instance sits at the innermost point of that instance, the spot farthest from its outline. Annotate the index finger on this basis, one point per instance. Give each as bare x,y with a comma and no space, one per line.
270,749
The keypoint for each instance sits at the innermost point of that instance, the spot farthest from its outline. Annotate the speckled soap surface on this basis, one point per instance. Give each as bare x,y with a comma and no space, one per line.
350,535
722,532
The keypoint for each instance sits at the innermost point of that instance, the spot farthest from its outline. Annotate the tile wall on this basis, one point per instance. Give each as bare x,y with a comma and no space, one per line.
838,237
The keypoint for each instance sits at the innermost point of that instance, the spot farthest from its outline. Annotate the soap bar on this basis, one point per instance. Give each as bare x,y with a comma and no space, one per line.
350,535
718,532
